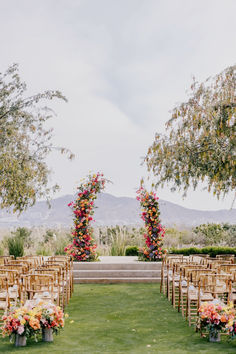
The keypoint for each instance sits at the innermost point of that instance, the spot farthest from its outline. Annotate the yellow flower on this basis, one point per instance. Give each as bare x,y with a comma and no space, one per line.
66,315
22,322
72,321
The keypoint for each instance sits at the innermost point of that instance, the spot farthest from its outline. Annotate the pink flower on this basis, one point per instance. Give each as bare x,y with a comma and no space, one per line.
21,329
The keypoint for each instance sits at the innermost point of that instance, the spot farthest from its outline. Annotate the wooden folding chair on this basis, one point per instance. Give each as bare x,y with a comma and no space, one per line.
37,286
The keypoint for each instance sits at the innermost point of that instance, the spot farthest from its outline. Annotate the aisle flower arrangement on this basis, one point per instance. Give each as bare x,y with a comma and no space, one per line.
30,321
22,322
51,317
154,230
83,247
216,318
232,330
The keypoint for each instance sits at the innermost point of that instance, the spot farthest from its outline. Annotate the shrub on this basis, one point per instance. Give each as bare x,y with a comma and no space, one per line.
212,251
60,244
43,250
25,235
15,246
131,251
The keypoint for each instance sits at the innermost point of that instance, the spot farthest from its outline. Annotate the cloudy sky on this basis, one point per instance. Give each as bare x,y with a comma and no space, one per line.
123,65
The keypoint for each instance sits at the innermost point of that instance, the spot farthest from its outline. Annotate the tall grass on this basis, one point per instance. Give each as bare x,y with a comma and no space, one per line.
112,241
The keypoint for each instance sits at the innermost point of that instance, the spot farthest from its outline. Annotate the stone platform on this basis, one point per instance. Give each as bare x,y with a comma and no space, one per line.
112,269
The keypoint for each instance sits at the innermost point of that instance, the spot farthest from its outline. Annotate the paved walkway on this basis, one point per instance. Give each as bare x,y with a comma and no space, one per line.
118,259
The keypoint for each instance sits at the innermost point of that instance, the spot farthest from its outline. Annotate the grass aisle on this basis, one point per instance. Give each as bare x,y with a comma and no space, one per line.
123,318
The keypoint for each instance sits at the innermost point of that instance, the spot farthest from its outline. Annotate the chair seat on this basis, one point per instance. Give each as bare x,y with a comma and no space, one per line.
193,295
3,305
3,294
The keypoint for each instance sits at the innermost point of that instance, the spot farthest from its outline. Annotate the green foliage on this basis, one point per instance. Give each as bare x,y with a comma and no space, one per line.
118,248
15,246
53,243
215,234
131,251
43,250
176,238
212,251
25,235
60,244
48,236
112,241
201,139
25,142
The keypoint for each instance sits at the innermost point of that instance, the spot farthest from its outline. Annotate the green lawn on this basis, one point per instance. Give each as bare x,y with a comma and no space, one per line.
123,318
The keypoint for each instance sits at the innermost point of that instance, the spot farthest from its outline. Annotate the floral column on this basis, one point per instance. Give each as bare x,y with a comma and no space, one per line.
83,247
155,231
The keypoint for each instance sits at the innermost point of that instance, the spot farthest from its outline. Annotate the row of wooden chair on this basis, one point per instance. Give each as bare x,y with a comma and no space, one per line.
33,277
187,281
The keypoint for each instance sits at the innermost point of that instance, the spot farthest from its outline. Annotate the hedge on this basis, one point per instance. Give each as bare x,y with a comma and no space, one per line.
132,251
212,251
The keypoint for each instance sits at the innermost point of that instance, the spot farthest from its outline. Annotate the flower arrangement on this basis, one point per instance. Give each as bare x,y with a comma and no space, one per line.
83,248
155,231
216,317
29,320
51,317
232,330
21,321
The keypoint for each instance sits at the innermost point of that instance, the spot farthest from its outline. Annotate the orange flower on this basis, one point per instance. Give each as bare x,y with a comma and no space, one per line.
223,318
34,323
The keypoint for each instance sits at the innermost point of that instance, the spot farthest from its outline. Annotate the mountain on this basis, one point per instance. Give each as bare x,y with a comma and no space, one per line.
113,210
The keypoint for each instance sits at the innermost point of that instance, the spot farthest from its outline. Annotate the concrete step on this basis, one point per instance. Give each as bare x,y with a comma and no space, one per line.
116,266
124,273
115,280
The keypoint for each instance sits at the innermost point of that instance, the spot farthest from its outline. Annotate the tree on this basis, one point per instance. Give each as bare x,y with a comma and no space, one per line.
211,234
200,144
24,143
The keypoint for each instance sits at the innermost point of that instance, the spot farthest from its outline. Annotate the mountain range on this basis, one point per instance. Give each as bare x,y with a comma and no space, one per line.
112,210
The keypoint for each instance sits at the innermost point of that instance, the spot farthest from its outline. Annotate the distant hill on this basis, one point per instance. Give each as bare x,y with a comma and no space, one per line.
113,210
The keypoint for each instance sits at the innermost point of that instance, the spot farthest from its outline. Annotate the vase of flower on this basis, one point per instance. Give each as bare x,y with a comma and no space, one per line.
20,341
47,335
214,336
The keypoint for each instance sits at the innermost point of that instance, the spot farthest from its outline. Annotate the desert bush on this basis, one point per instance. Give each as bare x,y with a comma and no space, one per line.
49,236
25,235
43,250
177,238
15,246
60,243
215,234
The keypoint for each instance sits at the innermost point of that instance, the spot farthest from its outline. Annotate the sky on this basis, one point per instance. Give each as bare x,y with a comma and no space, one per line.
123,65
